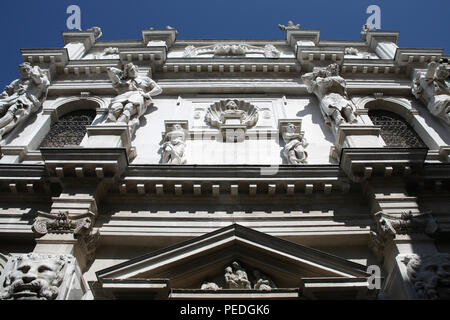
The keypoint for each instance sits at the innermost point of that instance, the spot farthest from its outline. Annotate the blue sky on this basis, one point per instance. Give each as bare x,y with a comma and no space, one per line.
38,24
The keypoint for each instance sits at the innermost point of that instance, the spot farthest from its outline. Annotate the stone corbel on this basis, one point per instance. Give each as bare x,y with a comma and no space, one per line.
356,136
111,136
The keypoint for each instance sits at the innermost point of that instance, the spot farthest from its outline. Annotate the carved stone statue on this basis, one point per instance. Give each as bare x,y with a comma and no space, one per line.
210,286
134,95
294,150
236,277
35,277
290,26
97,32
330,89
430,275
175,146
351,51
431,88
263,283
22,97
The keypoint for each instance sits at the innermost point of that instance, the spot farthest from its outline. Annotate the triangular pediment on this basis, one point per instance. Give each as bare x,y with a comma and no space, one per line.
189,264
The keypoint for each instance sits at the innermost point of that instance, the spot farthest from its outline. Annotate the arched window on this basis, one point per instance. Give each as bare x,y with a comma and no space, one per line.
69,130
395,131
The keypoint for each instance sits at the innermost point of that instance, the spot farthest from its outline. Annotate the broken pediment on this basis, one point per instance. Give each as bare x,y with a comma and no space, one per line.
230,262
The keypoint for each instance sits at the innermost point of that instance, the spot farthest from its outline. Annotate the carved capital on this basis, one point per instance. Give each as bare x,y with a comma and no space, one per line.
63,222
388,226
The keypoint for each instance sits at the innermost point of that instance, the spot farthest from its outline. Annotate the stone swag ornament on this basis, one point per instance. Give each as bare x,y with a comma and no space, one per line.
134,95
22,97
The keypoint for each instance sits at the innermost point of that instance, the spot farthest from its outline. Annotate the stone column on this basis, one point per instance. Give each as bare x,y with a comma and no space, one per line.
401,235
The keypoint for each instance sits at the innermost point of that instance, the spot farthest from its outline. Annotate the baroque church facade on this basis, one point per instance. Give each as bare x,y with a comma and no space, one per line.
164,168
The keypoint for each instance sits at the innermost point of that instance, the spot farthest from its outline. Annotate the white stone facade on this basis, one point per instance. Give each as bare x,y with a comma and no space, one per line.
185,169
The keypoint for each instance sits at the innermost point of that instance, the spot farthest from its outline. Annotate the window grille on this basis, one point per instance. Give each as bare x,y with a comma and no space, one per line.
69,130
395,131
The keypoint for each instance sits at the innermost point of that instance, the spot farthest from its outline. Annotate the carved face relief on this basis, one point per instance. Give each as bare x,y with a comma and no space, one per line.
131,70
442,73
430,275
25,71
177,135
35,277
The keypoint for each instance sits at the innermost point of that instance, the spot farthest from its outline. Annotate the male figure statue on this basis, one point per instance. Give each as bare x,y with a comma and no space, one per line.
22,97
330,89
134,95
